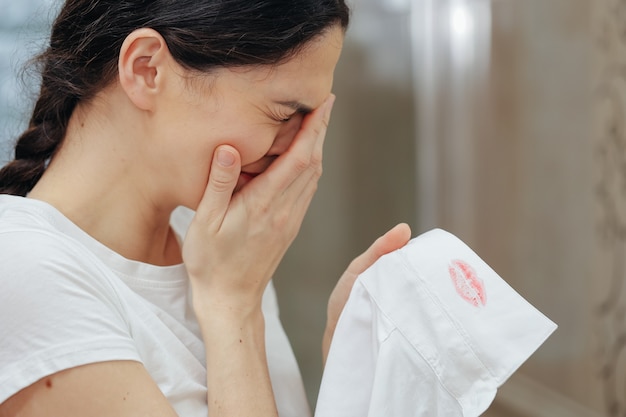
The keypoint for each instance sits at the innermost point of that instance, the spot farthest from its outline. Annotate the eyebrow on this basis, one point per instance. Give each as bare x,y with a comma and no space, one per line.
297,106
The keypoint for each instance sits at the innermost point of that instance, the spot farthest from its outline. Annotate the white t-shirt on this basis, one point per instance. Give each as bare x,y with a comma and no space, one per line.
67,300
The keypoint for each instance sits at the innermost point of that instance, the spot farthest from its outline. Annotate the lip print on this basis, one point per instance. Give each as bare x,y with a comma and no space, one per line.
467,284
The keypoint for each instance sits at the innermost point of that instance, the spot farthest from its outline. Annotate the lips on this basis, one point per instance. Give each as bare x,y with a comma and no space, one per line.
253,170
248,175
467,283
245,178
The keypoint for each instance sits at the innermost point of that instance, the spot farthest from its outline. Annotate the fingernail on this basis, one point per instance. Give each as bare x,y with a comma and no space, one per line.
225,158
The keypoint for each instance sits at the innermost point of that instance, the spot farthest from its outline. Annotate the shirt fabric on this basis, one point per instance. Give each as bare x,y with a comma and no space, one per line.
67,300
429,330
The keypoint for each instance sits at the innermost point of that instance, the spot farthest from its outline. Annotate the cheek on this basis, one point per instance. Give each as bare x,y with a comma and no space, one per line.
251,143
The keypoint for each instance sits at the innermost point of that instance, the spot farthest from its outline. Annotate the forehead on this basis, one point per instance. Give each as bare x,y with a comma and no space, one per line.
306,77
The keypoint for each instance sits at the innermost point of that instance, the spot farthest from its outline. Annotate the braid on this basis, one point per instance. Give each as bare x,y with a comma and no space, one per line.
31,152
34,148
38,143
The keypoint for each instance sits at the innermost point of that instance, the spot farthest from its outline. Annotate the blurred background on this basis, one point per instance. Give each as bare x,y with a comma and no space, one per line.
502,121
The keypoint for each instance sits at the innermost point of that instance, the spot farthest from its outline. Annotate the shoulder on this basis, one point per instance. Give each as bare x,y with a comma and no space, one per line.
32,250
24,222
59,304
40,263
46,273
30,237
19,242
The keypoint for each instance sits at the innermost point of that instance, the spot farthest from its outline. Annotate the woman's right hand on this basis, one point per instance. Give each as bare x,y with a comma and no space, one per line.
231,250
235,242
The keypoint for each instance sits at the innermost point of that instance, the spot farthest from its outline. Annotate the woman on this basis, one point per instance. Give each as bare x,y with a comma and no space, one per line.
116,298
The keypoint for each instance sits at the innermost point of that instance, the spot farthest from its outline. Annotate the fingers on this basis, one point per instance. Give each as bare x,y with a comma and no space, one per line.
315,126
305,152
310,148
320,129
394,239
291,180
225,170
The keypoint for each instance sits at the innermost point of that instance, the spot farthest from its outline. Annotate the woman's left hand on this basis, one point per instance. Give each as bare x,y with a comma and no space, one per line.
394,239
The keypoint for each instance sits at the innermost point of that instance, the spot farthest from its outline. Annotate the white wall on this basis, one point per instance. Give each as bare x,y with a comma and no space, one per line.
23,31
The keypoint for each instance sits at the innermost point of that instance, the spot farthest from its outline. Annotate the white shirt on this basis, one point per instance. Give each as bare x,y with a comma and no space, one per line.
67,300
429,330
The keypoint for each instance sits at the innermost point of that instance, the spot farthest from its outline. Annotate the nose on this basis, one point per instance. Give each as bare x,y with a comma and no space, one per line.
285,135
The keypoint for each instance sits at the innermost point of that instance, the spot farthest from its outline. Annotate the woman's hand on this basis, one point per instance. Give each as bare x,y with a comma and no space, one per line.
390,241
235,242
231,250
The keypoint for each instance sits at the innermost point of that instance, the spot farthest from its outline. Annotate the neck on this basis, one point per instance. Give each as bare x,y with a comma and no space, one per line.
97,180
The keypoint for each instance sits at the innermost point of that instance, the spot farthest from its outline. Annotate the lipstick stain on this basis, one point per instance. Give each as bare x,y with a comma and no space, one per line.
467,283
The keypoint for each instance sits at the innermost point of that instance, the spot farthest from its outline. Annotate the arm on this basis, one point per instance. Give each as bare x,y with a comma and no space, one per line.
117,388
231,251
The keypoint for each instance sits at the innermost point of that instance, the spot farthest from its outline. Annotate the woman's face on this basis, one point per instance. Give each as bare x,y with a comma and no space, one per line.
257,110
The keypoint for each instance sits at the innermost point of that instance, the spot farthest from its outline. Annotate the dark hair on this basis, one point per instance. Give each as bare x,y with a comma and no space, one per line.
87,35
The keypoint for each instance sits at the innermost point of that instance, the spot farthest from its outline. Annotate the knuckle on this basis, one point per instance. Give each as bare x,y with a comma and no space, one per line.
302,163
281,220
316,159
319,129
319,170
221,183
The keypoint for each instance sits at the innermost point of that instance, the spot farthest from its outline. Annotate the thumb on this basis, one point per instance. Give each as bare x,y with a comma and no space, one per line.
223,177
394,239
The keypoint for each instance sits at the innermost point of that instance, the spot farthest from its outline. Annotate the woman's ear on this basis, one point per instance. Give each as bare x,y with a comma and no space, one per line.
143,61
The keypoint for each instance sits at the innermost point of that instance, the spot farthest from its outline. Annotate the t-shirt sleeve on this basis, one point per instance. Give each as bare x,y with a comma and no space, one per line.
58,310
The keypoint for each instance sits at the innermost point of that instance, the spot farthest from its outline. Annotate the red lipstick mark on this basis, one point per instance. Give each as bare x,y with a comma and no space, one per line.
467,284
